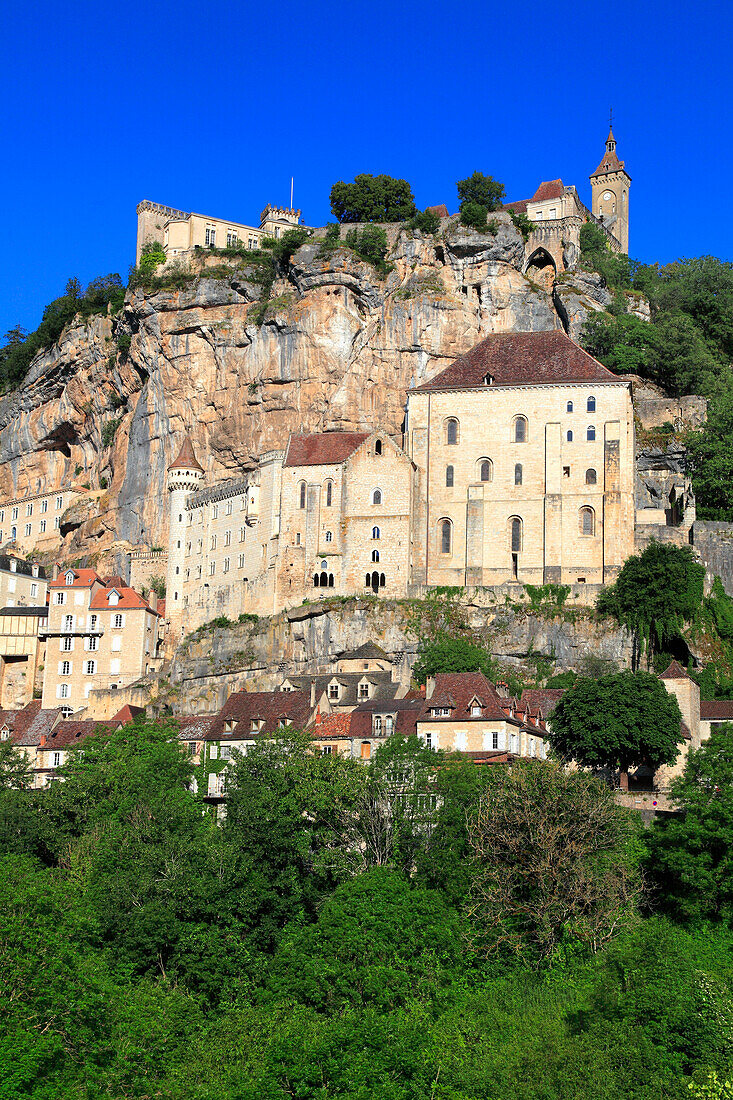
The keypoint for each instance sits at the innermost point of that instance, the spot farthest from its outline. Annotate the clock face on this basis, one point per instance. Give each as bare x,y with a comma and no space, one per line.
607,196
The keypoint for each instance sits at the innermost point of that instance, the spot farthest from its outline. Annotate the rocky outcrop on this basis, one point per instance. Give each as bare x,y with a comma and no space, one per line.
337,347
577,295
216,662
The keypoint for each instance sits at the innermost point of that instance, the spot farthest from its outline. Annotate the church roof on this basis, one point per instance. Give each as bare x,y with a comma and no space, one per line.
520,359
186,458
324,449
552,189
609,161
675,671
367,650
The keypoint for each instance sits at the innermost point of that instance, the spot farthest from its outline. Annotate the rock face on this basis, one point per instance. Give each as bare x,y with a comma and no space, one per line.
576,295
309,639
337,349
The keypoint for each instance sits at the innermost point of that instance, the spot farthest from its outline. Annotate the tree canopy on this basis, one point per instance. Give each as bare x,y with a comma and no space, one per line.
451,653
619,721
372,199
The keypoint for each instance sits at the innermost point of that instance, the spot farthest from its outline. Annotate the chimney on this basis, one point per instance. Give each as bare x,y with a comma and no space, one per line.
56,570
502,689
313,693
43,739
429,687
318,717
153,599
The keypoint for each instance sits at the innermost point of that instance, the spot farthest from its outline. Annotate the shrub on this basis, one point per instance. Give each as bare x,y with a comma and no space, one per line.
124,340
370,244
427,222
110,430
372,199
522,223
473,215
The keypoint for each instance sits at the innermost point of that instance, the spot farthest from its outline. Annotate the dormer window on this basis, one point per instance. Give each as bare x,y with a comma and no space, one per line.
441,712
114,598
378,447
364,690
13,565
282,723
488,379
333,691
475,710
4,733
229,725
256,725
69,578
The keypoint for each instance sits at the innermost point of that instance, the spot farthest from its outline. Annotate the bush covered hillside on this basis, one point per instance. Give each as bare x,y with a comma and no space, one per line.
422,928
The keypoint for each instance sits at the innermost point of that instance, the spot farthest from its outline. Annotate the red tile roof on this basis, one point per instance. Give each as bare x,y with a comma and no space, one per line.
186,458
83,578
405,712
269,707
129,600
553,189
325,449
675,671
71,732
332,727
719,709
441,210
521,359
127,714
520,206
457,690
609,161
544,699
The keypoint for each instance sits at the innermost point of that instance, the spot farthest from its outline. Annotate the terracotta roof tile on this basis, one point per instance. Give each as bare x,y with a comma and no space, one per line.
186,459
441,210
457,690
675,671
552,189
544,699
332,727
324,449
83,578
521,359
519,206
720,709
129,600
127,714
268,707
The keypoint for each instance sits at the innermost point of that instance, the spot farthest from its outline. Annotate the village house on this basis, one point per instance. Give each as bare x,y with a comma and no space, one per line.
100,635
33,522
22,653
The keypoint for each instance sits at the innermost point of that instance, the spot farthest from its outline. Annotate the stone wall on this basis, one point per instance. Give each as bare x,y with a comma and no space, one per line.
714,543
684,413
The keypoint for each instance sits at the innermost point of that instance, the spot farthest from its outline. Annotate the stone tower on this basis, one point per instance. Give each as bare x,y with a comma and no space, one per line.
610,185
184,476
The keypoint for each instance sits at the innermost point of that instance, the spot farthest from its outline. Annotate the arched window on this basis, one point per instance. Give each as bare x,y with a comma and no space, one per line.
376,496
590,435
590,477
382,580
570,437
516,533
330,580
518,474
378,447
329,536
486,469
302,494
591,405
329,494
520,429
367,580
324,579
315,580
570,406
451,431
375,533
587,521
446,536
449,476
375,555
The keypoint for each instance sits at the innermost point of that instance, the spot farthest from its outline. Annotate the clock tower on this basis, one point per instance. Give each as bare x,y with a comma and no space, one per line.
610,185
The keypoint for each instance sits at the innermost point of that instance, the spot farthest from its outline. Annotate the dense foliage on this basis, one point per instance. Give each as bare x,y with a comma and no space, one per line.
451,653
622,721
372,199
20,346
656,594
315,945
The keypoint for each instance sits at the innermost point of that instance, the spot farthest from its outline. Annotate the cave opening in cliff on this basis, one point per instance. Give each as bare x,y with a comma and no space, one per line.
541,269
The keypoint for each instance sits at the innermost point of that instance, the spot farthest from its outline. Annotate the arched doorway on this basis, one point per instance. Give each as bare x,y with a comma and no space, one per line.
541,269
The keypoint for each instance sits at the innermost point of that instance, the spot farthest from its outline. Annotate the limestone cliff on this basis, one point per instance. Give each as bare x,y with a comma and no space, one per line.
337,347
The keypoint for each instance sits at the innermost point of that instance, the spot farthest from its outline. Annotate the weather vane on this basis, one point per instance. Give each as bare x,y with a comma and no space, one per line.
610,118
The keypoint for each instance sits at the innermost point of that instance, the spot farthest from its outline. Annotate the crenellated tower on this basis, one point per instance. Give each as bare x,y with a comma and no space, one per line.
610,185
185,475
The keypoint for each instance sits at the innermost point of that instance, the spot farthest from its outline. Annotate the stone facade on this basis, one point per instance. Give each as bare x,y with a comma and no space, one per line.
22,653
179,231
22,583
99,635
33,522
610,185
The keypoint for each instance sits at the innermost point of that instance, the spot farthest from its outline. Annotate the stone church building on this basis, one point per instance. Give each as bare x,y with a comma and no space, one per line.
516,467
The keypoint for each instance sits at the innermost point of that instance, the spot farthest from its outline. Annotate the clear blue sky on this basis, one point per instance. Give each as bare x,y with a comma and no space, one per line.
213,106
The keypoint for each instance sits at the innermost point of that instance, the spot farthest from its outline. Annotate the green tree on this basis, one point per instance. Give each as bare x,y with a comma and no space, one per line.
690,855
482,190
656,593
622,721
427,221
553,862
474,215
376,941
372,199
710,461
452,653
370,243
